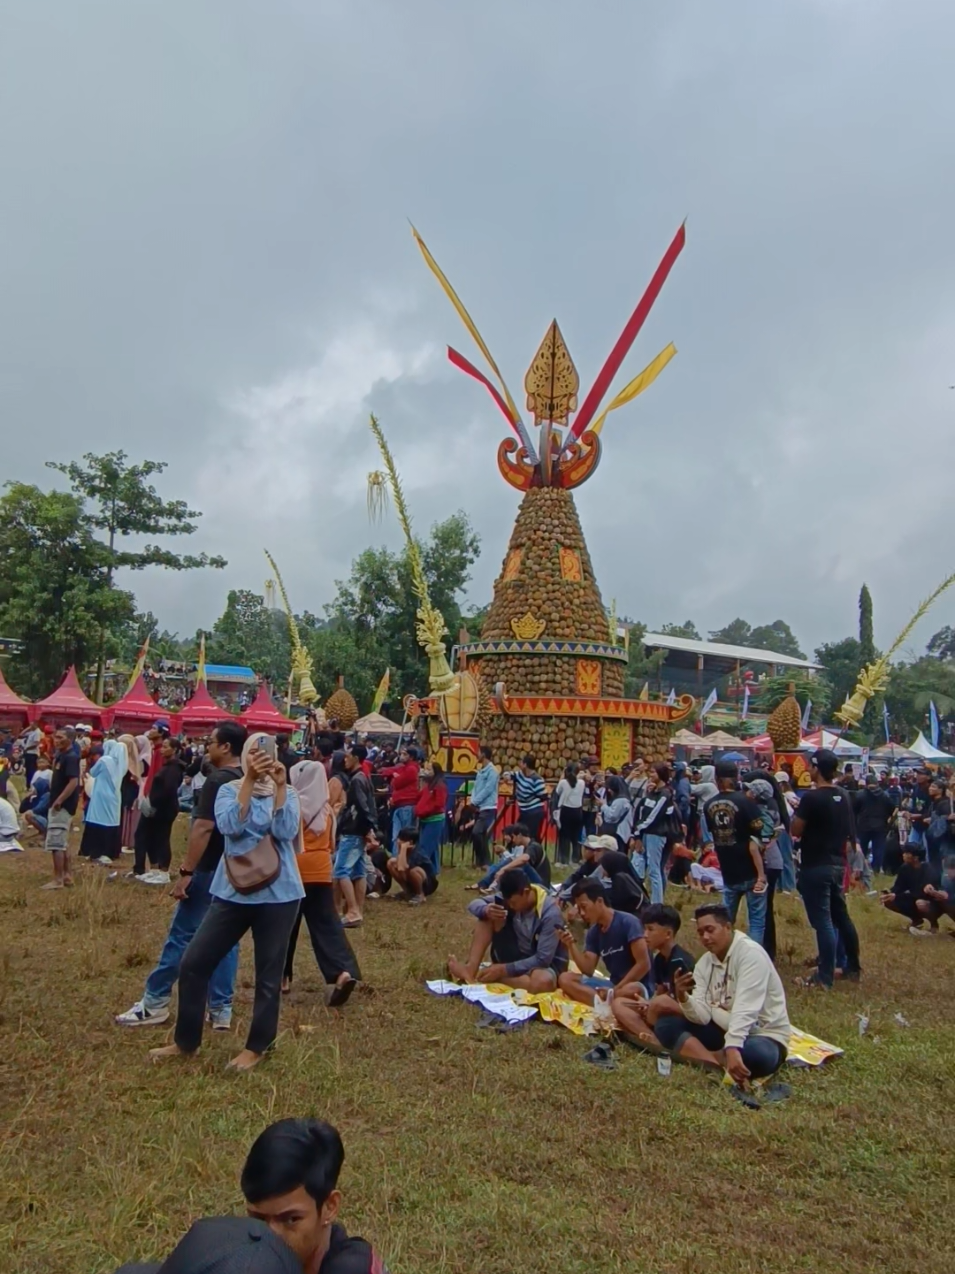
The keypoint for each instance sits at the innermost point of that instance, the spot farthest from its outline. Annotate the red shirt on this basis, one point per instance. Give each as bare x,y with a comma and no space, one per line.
432,801
404,783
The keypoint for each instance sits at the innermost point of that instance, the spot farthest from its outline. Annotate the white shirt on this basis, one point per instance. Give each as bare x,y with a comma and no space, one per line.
742,995
570,798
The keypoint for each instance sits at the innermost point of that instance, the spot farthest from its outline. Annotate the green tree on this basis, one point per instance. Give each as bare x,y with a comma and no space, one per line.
124,503
686,629
736,633
866,637
842,663
377,605
777,637
641,667
911,687
56,594
250,634
942,643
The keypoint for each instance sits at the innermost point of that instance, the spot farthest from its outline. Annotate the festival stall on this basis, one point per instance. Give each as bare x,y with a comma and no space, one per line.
14,711
934,756
136,709
68,705
200,714
262,714
833,742
374,725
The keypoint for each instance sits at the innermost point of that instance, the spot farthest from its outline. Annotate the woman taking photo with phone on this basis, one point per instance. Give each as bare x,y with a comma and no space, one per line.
256,886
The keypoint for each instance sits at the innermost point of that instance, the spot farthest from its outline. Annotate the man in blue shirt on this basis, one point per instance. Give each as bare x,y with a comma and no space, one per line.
484,800
614,937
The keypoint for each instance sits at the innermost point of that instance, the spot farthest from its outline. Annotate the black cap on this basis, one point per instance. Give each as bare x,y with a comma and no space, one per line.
225,1245
825,761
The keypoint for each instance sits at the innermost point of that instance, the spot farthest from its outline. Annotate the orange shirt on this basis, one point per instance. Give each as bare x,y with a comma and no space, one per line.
315,862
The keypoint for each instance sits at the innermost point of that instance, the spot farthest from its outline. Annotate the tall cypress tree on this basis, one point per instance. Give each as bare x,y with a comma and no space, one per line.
866,639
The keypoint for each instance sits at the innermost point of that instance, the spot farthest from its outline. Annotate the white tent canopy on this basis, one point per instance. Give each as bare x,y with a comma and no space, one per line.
924,749
828,739
375,723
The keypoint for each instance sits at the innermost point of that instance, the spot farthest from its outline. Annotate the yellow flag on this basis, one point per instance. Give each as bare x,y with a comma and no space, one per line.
139,665
636,386
645,692
381,693
201,665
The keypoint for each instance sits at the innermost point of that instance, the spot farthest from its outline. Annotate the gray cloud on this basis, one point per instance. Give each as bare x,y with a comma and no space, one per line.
206,259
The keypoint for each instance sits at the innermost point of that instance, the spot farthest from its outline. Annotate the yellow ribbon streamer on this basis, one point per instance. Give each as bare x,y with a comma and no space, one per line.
636,386
466,320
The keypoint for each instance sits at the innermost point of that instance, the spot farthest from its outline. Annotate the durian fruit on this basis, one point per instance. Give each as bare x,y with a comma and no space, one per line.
342,707
784,726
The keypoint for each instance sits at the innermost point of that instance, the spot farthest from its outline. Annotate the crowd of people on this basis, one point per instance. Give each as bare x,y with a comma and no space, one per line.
279,837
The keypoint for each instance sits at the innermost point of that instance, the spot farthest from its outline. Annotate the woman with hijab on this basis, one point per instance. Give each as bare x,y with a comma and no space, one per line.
336,960
259,817
616,816
626,892
158,816
101,839
129,793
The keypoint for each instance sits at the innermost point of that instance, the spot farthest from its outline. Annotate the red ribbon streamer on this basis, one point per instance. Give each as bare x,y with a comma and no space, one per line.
463,365
628,336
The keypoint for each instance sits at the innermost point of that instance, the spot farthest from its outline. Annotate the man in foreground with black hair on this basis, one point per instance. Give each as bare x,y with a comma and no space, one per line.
290,1182
824,826
521,924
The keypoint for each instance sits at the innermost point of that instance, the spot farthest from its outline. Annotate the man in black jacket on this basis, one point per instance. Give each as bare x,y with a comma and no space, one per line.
358,823
909,888
873,810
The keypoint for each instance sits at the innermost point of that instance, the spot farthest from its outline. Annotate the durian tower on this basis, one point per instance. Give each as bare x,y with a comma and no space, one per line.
546,596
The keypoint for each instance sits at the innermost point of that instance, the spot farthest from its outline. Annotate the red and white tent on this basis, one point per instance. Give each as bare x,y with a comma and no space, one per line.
13,709
200,714
68,705
137,707
262,714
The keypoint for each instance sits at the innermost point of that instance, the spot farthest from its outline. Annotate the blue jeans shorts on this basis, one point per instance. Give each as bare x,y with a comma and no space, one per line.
349,858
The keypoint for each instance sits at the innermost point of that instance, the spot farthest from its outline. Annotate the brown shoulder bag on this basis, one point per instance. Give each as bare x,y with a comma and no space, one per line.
248,873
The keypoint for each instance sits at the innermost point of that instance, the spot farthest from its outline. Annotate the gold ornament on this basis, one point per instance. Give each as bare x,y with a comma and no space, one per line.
528,628
552,381
301,659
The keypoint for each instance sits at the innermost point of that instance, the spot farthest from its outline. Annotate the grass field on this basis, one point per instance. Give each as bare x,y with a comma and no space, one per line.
465,1151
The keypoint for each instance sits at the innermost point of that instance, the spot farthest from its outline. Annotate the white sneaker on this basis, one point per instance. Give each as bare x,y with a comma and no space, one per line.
104,861
154,878
921,933
139,1015
221,1020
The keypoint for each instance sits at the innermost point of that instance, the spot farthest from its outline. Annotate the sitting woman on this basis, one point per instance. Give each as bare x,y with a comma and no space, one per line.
256,886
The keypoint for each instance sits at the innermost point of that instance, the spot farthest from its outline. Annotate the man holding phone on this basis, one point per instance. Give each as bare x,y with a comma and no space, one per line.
521,925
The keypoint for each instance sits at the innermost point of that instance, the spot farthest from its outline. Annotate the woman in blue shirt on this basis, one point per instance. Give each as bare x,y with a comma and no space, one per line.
261,804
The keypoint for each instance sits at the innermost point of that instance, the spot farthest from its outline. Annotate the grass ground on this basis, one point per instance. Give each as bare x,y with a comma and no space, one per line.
465,1151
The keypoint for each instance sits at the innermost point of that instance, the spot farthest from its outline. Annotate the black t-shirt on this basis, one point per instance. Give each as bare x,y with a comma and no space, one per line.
66,766
350,1255
873,809
207,810
665,966
538,860
827,814
734,820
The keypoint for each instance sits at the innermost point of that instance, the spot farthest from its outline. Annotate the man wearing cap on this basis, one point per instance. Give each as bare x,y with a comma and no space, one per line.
824,826
594,848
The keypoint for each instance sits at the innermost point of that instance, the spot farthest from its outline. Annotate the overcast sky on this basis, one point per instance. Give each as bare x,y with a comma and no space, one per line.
205,259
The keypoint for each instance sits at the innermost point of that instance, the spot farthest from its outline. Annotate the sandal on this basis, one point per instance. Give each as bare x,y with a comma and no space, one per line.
340,993
601,1055
745,1097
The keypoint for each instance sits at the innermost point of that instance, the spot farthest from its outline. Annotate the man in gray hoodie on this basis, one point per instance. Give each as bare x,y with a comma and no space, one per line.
521,924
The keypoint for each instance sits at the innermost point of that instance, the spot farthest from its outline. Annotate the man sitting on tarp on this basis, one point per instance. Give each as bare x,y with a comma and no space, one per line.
730,1012
614,938
521,924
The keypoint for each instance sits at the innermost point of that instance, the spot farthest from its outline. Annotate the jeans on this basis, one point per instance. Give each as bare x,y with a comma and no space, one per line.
186,919
787,882
488,878
873,842
761,1055
649,864
533,820
755,907
401,817
329,940
821,889
568,835
225,923
430,840
483,826
773,877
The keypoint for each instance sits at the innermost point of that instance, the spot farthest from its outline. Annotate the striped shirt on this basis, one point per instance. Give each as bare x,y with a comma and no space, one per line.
529,790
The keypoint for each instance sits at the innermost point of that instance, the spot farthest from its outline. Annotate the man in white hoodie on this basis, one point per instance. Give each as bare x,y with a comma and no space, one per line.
730,1012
